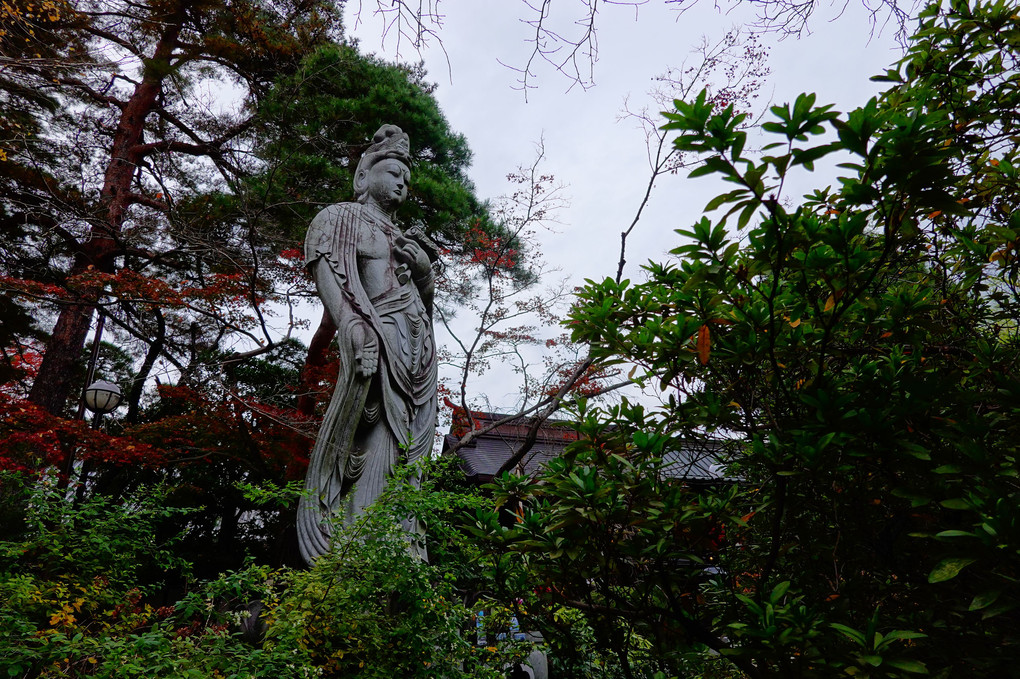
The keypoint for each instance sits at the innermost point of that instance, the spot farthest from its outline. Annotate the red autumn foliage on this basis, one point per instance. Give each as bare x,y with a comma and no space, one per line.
491,252
588,384
461,423
187,427
195,429
33,288
32,440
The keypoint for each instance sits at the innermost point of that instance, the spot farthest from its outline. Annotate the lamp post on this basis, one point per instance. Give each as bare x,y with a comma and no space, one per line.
90,372
83,403
101,398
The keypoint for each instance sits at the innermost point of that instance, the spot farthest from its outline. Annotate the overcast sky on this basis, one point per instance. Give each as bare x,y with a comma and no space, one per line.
600,158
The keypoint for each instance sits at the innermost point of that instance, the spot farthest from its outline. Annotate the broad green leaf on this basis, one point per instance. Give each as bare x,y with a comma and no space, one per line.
998,609
913,666
949,568
855,635
954,534
984,600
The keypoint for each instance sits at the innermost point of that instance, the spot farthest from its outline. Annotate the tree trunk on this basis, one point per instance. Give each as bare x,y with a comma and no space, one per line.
51,386
52,383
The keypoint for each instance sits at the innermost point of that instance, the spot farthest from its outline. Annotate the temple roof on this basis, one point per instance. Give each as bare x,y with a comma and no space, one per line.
482,458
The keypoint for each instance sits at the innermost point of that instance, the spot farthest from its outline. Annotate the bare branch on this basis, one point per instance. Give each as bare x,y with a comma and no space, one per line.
416,23
570,44
741,62
90,92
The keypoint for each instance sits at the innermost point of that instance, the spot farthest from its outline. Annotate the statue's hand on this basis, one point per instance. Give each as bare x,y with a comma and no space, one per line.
366,350
410,253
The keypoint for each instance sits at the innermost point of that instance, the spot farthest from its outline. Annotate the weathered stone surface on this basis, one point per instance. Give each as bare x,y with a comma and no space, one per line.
377,283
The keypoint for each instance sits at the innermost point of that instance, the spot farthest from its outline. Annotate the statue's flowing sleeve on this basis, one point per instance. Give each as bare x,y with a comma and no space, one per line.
331,255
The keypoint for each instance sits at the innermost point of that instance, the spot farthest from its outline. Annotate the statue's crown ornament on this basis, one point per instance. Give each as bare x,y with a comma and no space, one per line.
389,142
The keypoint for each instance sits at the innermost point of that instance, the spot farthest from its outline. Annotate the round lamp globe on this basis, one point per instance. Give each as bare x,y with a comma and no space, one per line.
102,397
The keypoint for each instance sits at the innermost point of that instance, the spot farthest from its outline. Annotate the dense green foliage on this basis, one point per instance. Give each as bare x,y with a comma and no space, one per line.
852,360
98,590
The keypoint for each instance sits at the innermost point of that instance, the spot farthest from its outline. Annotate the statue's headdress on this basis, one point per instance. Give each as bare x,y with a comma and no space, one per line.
389,142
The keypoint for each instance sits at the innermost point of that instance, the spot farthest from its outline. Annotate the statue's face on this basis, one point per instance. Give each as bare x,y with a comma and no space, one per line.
387,183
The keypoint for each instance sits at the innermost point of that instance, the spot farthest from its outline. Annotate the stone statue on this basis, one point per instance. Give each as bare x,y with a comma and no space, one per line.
377,284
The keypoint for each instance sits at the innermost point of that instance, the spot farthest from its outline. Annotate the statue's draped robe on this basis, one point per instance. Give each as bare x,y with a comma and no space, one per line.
372,424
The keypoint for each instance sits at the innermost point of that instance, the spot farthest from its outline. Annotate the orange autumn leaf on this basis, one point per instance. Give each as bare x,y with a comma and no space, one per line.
704,341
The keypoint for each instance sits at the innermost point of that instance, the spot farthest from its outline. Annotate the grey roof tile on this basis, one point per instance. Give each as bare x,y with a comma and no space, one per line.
696,461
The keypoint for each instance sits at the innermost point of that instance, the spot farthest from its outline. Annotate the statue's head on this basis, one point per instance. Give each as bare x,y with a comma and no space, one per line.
382,174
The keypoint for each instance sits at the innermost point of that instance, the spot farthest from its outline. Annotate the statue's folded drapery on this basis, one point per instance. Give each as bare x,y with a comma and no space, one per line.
374,422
